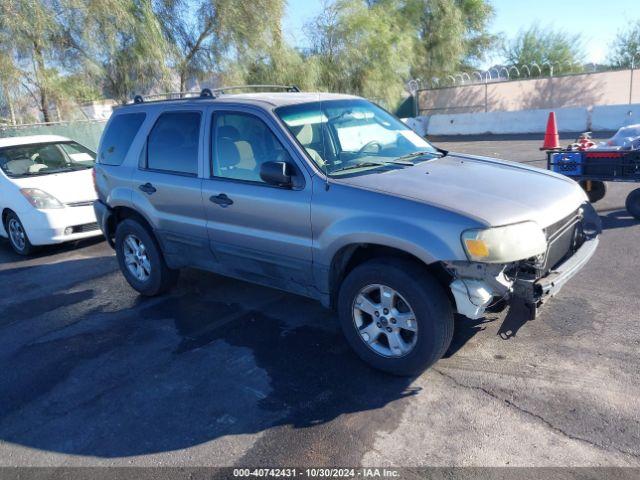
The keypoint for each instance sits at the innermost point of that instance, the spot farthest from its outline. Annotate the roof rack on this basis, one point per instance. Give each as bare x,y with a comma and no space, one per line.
208,93
288,88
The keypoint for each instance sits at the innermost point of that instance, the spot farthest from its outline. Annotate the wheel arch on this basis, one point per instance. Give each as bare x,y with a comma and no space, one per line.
3,219
348,257
120,213
5,212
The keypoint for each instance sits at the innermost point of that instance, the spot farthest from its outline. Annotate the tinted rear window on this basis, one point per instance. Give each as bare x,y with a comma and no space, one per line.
173,143
117,138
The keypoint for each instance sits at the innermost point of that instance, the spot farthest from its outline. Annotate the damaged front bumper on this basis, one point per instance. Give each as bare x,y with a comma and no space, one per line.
476,286
536,291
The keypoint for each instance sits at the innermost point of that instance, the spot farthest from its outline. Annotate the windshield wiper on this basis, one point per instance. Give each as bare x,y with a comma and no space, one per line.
69,168
421,153
375,164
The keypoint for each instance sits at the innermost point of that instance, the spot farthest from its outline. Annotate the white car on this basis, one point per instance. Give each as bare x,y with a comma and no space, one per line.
46,191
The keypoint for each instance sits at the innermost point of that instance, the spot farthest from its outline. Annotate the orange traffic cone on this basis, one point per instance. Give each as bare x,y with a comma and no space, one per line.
551,138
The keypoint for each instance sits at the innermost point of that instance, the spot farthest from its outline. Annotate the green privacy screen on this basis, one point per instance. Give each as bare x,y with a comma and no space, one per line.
84,132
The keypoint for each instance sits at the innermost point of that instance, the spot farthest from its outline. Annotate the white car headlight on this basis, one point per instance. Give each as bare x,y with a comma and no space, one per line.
504,244
39,199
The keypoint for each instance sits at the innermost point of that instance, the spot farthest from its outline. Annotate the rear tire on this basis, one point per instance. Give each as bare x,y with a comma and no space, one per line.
596,189
141,260
633,203
416,291
18,238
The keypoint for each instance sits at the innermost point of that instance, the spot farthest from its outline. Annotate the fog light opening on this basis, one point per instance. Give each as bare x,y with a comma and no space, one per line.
68,230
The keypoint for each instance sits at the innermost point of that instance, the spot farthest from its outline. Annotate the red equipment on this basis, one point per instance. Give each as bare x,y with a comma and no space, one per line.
584,142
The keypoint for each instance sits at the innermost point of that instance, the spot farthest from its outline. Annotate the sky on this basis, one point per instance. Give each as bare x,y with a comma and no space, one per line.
597,21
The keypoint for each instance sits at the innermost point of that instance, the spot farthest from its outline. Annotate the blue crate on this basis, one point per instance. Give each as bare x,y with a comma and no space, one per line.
567,163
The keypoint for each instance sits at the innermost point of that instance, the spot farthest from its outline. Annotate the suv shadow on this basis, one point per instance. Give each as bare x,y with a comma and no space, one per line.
112,376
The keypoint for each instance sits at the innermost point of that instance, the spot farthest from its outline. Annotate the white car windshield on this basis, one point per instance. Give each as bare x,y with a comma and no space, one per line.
45,158
353,135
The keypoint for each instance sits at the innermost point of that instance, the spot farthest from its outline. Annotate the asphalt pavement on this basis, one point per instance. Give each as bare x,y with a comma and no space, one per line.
221,372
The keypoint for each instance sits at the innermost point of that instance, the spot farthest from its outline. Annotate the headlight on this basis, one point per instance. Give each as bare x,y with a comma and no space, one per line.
504,244
39,199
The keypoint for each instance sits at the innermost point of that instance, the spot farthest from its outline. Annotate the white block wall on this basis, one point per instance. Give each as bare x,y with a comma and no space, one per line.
597,118
525,121
612,117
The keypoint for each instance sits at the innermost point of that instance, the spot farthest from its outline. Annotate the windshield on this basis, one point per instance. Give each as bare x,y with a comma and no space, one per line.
45,158
352,135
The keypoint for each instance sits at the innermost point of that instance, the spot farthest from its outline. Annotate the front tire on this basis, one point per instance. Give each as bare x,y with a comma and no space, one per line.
633,203
18,238
395,316
141,260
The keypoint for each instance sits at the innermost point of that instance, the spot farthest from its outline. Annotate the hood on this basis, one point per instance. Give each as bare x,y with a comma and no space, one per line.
495,192
67,187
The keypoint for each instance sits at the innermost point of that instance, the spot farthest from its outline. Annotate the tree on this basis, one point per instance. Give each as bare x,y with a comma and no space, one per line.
450,35
558,50
625,49
278,65
373,47
29,27
68,91
9,82
202,33
119,44
359,48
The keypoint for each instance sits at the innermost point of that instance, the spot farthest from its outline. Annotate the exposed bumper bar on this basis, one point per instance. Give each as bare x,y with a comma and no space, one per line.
552,283
536,291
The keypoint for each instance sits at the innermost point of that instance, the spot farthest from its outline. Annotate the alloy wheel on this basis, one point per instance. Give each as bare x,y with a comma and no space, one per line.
385,321
16,233
135,258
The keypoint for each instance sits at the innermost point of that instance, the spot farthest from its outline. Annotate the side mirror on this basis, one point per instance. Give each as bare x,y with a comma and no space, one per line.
276,173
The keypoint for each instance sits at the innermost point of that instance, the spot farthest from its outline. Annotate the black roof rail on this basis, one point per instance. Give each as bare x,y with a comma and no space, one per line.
208,93
288,88
172,96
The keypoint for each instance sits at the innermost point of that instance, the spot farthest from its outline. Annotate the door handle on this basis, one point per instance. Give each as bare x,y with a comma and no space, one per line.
221,200
147,188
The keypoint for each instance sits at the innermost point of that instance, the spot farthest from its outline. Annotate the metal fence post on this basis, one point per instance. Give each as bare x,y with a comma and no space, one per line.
486,96
631,81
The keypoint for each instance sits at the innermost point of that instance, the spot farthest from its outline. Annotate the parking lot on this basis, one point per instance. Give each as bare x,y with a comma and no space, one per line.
222,372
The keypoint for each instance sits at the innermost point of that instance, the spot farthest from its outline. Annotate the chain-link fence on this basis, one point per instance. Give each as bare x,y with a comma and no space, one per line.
85,132
504,73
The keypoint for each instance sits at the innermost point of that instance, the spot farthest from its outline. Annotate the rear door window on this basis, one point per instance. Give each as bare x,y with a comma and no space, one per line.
173,143
118,137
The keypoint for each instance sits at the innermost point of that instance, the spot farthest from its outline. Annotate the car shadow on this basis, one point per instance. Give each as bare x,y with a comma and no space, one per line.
618,219
103,372
8,255
464,330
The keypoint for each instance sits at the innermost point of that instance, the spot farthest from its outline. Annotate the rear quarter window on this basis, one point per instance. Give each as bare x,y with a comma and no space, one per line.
118,136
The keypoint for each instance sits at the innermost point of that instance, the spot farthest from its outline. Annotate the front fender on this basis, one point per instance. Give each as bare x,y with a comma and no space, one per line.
394,233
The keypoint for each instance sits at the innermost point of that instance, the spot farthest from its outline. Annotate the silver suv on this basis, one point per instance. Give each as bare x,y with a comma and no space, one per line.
331,197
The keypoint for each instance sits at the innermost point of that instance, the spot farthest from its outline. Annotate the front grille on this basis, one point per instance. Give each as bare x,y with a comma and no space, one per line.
87,227
562,237
83,203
